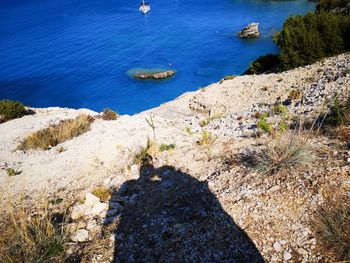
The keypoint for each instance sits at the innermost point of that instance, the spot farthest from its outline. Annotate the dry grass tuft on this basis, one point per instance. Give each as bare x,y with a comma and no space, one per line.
56,134
331,226
284,152
109,115
206,139
31,238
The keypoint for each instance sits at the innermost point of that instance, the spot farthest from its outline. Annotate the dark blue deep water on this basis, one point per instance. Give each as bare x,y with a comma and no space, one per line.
77,53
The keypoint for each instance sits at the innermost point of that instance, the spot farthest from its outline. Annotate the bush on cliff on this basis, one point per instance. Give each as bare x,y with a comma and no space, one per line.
305,39
11,109
329,5
269,62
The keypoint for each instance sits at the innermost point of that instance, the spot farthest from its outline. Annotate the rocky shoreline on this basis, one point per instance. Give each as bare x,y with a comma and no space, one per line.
201,191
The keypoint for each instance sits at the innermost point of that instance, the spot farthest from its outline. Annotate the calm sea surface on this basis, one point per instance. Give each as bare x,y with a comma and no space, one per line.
77,53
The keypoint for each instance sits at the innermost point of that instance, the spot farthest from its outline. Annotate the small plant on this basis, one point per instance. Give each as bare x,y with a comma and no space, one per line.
263,125
103,193
166,147
61,150
36,238
11,109
109,115
282,126
347,71
332,229
256,115
12,172
152,125
144,156
264,64
56,134
189,131
295,94
207,138
204,122
279,109
228,77
282,153
339,113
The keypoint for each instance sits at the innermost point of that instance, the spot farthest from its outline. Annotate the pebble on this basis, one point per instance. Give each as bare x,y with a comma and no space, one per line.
277,246
287,256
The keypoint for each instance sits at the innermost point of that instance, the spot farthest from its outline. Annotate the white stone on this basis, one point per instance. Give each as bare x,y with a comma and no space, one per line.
91,200
277,246
287,256
98,208
91,225
78,211
81,235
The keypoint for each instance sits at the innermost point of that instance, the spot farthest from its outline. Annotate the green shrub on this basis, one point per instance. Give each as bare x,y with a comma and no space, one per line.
279,109
339,113
305,39
12,172
166,147
263,125
264,64
144,156
11,109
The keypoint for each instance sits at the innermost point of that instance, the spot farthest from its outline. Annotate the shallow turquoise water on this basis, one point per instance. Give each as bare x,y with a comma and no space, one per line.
75,53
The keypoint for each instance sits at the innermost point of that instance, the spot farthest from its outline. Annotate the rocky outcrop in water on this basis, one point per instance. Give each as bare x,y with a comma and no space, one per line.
250,31
155,75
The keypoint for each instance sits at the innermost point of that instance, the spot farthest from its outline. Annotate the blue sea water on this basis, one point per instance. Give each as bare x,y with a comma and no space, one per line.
77,53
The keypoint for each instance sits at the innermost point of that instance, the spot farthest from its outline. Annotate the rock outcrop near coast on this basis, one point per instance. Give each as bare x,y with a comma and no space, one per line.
179,181
250,31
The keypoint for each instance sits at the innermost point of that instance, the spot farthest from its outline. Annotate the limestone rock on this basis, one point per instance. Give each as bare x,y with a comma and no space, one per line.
287,256
98,208
91,200
277,246
79,211
250,31
81,235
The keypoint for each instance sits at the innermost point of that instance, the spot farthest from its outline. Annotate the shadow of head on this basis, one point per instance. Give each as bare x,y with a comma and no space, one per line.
169,216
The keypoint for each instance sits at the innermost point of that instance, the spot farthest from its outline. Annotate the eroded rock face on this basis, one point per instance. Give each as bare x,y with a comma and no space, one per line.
155,75
250,31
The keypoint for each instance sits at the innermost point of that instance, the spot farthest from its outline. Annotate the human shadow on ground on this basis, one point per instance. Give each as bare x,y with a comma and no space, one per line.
169,216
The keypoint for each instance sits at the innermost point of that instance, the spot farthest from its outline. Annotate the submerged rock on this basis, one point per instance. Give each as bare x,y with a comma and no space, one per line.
155,75
250,31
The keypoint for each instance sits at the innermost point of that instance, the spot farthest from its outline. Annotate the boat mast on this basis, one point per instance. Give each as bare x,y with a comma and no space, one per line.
143,2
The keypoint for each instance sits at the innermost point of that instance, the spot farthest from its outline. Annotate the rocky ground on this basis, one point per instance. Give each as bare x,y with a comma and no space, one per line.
202,200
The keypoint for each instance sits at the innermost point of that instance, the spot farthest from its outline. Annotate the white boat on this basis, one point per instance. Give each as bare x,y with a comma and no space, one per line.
144,7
